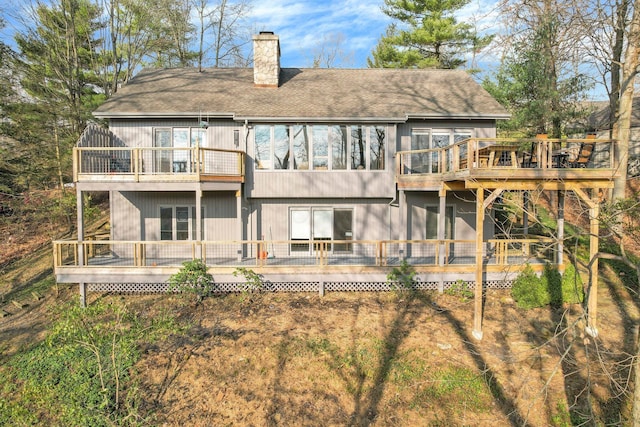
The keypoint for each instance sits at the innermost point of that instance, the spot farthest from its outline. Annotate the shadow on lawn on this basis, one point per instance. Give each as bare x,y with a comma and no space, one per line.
366,376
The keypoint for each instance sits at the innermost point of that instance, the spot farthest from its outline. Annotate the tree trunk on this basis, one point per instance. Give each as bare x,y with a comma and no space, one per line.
623,124
636,380
614,96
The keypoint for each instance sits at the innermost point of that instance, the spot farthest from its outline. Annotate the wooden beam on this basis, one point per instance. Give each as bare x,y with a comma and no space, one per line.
492,197
513,184
585,198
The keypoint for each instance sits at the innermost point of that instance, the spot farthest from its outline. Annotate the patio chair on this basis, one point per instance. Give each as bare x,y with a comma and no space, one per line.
584,156
530,159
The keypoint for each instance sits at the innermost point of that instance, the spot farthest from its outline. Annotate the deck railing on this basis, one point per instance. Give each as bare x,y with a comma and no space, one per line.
105,253
140,163
490,153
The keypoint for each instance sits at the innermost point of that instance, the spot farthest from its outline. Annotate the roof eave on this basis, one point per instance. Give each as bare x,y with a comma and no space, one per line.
462,116
159,115
296,119
309,119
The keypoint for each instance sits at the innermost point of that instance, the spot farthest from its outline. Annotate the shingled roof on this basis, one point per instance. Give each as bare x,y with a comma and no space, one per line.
304,95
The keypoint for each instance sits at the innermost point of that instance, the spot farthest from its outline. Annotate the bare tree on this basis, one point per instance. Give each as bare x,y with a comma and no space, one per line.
623,122
329,52
223,22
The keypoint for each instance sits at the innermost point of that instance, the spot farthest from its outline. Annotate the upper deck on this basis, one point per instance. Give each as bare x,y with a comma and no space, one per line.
126,164
509,163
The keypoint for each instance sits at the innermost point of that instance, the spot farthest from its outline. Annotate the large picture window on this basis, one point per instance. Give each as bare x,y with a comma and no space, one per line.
320,147
318,224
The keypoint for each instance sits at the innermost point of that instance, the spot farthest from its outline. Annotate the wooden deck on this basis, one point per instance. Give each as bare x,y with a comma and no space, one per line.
140,165
512,164
105,261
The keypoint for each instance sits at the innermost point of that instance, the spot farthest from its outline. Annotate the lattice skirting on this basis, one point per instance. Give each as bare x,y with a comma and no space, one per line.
319,287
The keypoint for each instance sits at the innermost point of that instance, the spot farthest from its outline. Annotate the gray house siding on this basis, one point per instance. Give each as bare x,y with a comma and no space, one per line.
136,215
139,133
270,218
463,203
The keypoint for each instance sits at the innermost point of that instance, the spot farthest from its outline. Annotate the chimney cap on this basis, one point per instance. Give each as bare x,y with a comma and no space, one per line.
267,32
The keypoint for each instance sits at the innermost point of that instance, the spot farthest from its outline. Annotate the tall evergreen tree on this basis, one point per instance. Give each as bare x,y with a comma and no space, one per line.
539,80
427,35
57,56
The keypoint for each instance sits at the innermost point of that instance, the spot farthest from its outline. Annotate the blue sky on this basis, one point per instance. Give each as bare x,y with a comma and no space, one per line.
302,25
305,25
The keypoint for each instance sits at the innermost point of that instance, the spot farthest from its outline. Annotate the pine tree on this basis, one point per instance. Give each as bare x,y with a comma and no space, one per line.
429,36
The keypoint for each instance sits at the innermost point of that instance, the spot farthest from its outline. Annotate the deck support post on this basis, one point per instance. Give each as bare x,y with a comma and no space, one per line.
239,215
402,205
560,232
592,289
442,216
80,226
525,213
477,301
198,194
592,302
83,294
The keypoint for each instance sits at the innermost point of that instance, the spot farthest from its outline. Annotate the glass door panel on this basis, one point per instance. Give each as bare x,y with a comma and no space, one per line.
343,229
162,157
322,226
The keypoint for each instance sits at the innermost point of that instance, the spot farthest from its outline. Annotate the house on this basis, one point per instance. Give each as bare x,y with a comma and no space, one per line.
317,179
599,123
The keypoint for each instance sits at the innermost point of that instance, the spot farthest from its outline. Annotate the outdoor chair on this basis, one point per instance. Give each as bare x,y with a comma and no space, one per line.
584,156
530,159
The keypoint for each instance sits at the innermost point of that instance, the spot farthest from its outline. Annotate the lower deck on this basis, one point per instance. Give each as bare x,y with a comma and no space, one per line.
433,261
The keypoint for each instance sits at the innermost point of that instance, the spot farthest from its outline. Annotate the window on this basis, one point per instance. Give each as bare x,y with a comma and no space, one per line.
263,147
377,147
440,139
320,147
281,149
430,162
179,222
432,222
420,140
358,148
318,224
300,147
460,135
338,143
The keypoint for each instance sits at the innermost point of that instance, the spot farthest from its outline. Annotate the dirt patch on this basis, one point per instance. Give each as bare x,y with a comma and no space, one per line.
376,359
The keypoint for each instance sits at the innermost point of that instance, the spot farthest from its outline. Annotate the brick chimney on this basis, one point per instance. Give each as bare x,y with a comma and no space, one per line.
266,59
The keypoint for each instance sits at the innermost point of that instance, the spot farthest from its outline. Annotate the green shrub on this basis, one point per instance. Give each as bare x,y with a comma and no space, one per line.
402,277
192,279
530,290
253,282
83,374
